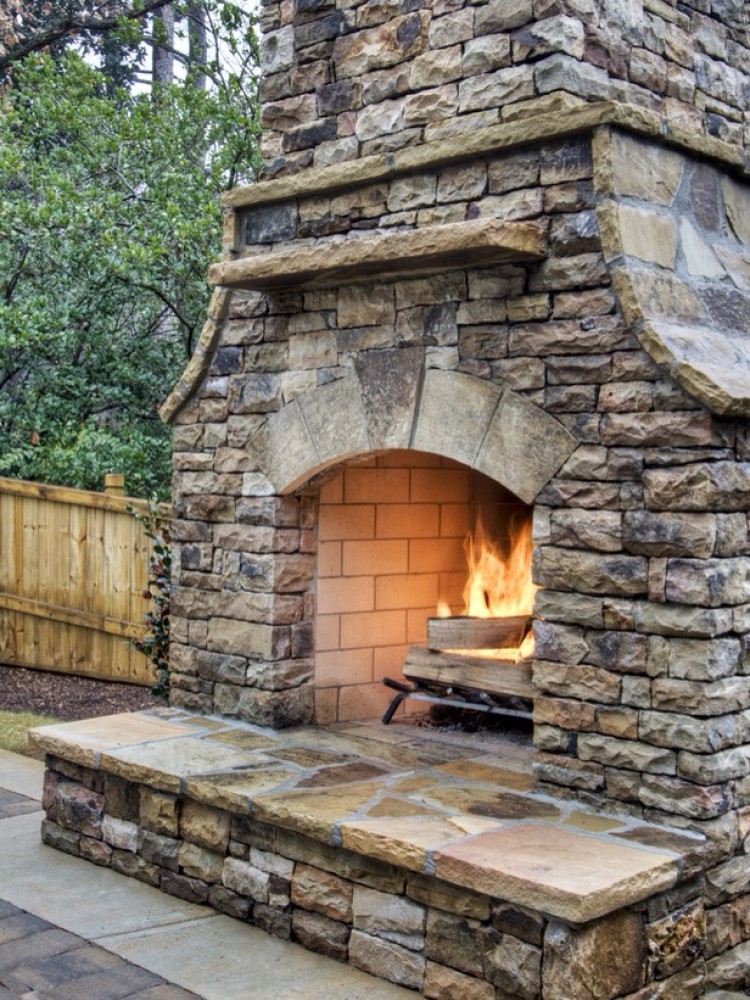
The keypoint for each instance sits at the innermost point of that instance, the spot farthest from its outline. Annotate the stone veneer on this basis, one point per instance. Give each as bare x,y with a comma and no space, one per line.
343,79
515,236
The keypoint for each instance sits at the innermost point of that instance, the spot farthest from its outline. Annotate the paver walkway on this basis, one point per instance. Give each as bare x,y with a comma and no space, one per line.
39,961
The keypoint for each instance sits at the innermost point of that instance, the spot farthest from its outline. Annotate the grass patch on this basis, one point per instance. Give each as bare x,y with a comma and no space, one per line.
14,727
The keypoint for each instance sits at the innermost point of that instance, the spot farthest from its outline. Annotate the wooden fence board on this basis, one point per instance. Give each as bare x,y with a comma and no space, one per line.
73,566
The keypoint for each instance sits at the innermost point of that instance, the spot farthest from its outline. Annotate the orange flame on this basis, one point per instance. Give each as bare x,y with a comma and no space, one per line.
499,583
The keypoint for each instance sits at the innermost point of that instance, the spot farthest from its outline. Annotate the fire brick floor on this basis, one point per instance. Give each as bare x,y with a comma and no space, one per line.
71,930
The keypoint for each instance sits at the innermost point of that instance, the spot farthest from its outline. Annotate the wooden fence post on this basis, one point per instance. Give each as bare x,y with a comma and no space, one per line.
114,484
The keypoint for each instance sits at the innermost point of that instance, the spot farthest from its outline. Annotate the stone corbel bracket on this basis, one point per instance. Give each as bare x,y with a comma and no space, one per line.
676,237
199,364
452,414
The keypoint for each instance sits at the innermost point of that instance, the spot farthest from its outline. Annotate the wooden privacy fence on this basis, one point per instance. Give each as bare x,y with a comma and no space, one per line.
73,568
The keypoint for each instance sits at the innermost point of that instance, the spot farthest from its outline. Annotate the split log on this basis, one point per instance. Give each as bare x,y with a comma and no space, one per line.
499,677
463,632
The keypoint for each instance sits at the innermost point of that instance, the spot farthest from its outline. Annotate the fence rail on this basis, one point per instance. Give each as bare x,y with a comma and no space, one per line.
73,567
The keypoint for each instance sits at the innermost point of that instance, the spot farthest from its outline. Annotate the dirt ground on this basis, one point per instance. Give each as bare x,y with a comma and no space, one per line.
66,697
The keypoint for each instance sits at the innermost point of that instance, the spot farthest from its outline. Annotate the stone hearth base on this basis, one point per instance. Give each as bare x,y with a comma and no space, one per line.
419,858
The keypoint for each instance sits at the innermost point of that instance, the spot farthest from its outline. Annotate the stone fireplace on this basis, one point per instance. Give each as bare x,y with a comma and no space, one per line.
499,258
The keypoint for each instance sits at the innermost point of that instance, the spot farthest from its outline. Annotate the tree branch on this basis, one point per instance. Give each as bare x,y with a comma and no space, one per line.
10,286
75,25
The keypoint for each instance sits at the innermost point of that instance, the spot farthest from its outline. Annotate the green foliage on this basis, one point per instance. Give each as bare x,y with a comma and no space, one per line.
155,643
109,217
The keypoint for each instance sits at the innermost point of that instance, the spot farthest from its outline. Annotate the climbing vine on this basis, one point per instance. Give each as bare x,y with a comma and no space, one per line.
154,644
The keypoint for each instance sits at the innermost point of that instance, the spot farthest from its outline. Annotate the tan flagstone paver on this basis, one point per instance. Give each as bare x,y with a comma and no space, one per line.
315,812
392,806
235,790
242,740
403,841
592,822
484,800
81,742
493,774
556,870
165,763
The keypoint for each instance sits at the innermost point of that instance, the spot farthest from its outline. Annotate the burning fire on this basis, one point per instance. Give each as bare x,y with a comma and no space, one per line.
499,583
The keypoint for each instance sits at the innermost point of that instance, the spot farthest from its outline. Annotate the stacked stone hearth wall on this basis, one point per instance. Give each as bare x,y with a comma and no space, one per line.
416,931
641,536
346,79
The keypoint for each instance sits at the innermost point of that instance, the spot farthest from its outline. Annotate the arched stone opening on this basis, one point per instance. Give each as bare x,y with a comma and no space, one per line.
389,443
392,402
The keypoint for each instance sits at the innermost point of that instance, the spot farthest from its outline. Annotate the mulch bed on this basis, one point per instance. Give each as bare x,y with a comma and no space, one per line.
66,697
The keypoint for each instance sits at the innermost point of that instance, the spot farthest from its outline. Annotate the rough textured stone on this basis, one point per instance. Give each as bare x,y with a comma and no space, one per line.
389,917
246,879
386,959
204,825
191,889
513,966
670,534
455,942
710,582
428,890
565,569
441,983
80,809
319,933
197,862
605,960
318,890
693,659
626,754
60,838
120,833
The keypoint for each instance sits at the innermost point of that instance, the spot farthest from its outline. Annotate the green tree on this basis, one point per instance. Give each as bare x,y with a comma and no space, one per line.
109,217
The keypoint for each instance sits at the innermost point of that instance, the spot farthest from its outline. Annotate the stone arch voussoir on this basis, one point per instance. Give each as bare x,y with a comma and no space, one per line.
451,414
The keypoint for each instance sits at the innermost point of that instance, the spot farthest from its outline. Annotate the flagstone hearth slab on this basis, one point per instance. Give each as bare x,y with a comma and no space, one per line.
476,799
317,812
82,742
569,875
235,790
165,764
433,807
407,841
483,770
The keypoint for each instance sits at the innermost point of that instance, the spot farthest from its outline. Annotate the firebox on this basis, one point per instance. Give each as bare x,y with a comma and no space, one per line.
408,540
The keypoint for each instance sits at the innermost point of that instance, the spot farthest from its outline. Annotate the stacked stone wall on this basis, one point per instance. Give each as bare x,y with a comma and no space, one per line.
346,79
243,606
422,933
642,543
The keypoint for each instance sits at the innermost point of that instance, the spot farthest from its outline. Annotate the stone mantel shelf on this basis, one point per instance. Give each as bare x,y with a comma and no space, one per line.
477,243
